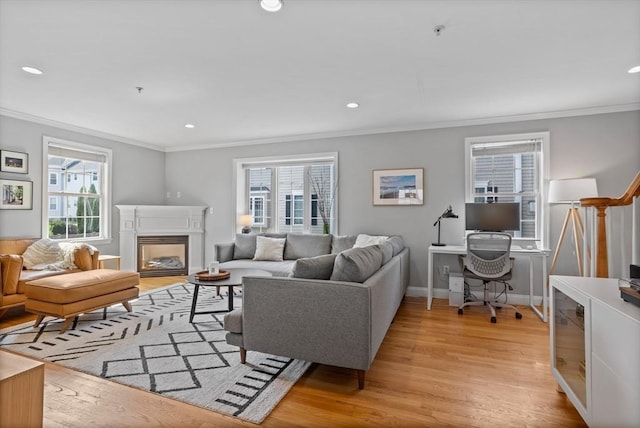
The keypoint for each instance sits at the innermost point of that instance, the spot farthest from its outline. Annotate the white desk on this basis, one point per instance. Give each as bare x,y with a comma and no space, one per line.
533,254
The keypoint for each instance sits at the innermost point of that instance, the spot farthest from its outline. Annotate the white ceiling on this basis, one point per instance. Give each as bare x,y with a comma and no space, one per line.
241,74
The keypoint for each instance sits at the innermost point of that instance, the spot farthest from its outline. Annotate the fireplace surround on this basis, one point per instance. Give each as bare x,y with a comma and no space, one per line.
168,222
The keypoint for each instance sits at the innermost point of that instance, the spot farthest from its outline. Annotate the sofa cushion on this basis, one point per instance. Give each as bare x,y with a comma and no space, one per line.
387,251
43,252
341,243
10,270
365,240
271,249
305,245
318,267
357,264
245,246
398,244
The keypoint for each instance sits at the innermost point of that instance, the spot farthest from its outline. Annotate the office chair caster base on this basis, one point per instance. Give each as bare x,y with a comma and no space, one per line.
494,320
518,315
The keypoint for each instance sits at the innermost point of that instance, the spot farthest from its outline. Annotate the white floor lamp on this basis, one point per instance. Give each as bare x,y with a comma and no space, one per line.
570,192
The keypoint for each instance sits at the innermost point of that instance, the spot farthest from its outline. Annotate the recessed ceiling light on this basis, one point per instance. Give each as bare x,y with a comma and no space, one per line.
31,70
190,126
271,5
635,69
353,105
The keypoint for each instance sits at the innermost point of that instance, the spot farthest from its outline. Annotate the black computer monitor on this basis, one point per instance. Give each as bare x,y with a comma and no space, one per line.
492,217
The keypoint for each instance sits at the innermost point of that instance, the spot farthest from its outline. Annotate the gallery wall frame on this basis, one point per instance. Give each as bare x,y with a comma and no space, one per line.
14,162
16,194
404,186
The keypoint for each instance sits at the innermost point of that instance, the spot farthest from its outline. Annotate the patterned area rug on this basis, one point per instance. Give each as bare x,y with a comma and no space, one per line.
155,348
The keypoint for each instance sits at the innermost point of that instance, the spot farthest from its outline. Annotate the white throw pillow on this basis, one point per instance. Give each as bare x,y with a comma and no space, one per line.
365,240
41,252
269,249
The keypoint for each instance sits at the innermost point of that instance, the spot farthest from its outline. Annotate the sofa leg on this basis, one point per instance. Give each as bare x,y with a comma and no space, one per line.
127,306
243,355
360,378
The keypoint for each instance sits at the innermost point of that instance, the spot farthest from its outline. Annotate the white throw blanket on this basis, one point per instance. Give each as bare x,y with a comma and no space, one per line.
46,254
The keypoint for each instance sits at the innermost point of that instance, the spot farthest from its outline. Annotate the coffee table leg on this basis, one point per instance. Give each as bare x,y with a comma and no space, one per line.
193,303
230,297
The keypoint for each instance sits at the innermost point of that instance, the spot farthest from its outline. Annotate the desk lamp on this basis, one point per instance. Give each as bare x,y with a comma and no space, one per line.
448,213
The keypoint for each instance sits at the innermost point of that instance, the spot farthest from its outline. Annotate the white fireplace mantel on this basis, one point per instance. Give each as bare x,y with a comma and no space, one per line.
157,220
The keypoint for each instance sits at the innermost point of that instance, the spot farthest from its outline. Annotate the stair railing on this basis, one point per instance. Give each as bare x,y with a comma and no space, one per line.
600,204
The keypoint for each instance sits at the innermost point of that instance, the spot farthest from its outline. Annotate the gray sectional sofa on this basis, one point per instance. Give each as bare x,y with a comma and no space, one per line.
327,302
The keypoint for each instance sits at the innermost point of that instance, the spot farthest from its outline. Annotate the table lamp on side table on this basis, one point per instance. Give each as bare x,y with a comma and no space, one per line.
448,213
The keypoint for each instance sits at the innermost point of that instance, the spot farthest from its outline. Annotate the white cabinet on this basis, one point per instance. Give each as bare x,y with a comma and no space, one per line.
595,349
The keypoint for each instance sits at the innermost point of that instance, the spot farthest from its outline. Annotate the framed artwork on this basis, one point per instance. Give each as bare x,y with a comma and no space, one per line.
398,186
14,162
16,195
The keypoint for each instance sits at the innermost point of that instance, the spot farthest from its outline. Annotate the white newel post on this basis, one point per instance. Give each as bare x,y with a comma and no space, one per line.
161,220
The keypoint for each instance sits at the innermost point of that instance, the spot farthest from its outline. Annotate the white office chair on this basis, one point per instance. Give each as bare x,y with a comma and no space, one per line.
488,260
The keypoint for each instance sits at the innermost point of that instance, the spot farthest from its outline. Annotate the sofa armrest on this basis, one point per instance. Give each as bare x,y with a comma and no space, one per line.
327,322
84,260
224,251
10,269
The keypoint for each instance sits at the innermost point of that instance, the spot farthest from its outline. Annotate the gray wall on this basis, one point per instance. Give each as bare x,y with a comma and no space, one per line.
604,146
138,176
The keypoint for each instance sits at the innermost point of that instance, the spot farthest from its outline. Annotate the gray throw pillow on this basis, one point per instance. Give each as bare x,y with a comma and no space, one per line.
387,252
319,267
357,264
245,246
341,243
306,245
397,242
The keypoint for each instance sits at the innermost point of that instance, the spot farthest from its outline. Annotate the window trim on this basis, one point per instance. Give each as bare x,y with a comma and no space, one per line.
543,180
105,206
239,181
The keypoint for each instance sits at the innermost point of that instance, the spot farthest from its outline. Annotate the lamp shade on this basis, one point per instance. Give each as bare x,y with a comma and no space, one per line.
572,190
246,220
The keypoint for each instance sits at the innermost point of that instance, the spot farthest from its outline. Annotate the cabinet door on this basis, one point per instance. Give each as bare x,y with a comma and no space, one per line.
614,366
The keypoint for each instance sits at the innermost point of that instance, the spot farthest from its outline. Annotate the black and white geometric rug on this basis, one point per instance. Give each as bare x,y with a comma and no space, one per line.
155,348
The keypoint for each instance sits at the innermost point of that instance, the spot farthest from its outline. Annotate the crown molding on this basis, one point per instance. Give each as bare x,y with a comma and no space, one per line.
416,127
324,135
69,127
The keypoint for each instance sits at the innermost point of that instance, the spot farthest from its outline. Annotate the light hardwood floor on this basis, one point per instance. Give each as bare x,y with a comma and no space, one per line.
434,368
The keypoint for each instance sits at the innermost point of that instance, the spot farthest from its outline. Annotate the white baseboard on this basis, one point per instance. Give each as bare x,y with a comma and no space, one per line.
441,293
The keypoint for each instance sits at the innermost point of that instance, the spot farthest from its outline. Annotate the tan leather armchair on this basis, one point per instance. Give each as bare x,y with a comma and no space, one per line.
14,277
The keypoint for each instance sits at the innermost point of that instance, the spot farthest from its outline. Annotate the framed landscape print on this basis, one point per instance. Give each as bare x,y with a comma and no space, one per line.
16,195
14,162
398,186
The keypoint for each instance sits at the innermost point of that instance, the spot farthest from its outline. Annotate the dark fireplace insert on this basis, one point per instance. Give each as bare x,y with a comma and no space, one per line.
163,255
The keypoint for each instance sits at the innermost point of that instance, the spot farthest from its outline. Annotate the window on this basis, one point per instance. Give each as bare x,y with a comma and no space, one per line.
511,168
78,208
53,179
292,194
257,210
